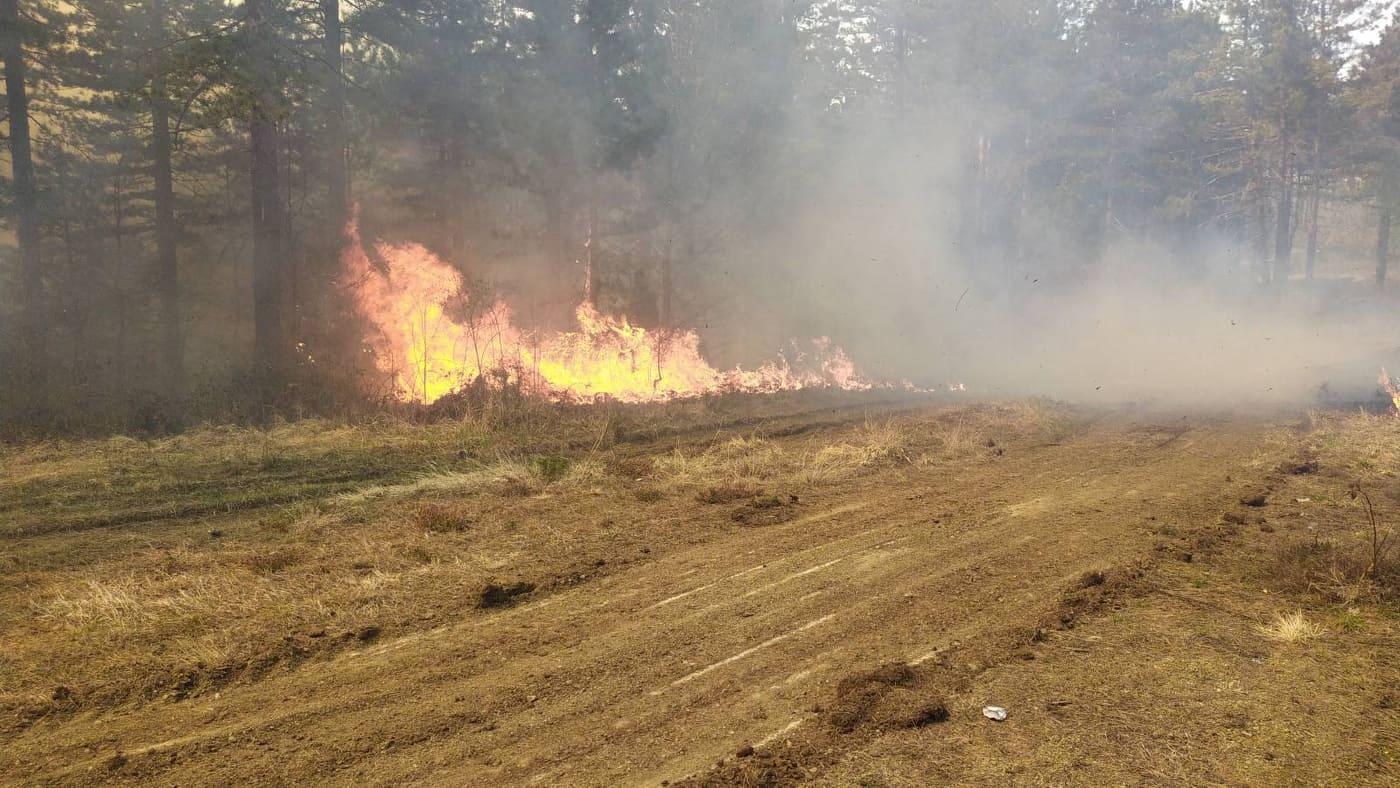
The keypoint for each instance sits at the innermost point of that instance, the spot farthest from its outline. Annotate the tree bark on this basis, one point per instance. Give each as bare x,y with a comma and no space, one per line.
667,279
1283,226
167,274
591,272
337,179
269,353
32,345
1383,247
1260,259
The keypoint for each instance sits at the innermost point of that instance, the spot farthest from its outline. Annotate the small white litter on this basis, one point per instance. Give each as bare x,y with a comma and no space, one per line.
994,713
1304,500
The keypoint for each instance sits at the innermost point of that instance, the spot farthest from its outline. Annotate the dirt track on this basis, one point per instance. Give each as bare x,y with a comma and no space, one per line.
661,668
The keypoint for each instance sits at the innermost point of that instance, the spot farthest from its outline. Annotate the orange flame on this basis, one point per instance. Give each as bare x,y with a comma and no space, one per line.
1391,389
432,340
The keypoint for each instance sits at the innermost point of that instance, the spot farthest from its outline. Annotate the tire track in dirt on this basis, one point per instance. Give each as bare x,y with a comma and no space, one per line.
742,635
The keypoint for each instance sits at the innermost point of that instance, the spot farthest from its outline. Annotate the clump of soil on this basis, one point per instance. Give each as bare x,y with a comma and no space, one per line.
495,595
887,697
1299,468
763,767
1092,591
726,493
766,510
440,518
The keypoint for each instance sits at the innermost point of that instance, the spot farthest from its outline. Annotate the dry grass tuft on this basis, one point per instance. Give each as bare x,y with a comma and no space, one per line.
1291,628
956,439
741,461
874,443
509,476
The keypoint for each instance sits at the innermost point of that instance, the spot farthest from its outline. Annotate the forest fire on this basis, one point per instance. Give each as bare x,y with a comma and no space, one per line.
1392,389
430,336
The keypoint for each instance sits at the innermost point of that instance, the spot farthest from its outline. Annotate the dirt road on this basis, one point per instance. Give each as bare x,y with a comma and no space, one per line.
663,667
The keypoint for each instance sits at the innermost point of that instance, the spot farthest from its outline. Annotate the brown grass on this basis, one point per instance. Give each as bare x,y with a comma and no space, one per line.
239,550
1291,628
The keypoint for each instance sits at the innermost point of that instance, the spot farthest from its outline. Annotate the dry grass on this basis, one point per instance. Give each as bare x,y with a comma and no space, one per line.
750,462
1291,628
1353,501
745,460
130,564
924,441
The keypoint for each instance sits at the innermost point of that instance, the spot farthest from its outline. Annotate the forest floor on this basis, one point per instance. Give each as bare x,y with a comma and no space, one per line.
749,591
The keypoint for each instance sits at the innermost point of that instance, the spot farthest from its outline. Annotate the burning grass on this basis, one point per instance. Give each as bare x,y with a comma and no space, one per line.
432,337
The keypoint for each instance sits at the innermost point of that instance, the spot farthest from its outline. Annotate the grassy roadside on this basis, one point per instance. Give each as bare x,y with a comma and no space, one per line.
259,550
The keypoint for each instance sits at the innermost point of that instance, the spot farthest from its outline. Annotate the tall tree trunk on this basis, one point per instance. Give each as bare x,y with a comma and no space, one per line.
119,388
591,272
667,278
1260,257
337,179
1383,247
269,353
33,347
167,274
1314,223
1315,201
1283,226
901,56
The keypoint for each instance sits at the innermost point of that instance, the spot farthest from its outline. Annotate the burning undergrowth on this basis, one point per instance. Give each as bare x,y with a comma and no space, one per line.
434,338
1392,390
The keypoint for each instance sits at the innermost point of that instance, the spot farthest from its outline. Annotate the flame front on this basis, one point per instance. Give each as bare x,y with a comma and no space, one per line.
1391,389
428,335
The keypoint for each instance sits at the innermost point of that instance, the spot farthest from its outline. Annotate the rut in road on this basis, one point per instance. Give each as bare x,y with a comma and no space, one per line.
658,670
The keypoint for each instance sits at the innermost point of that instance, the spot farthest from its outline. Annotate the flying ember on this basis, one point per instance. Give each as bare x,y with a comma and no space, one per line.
428,334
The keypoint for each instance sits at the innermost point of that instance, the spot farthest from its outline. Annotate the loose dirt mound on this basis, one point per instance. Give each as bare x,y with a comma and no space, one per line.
496,595
1093,591
727,493
893,695
766,510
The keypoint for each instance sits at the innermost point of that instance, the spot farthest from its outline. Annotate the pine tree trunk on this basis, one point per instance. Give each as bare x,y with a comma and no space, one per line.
667,278
167,273
1261,237
119,379
268,341
1315,201
1314,222
337,179
32,340
591,263
1383,247
1283,226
